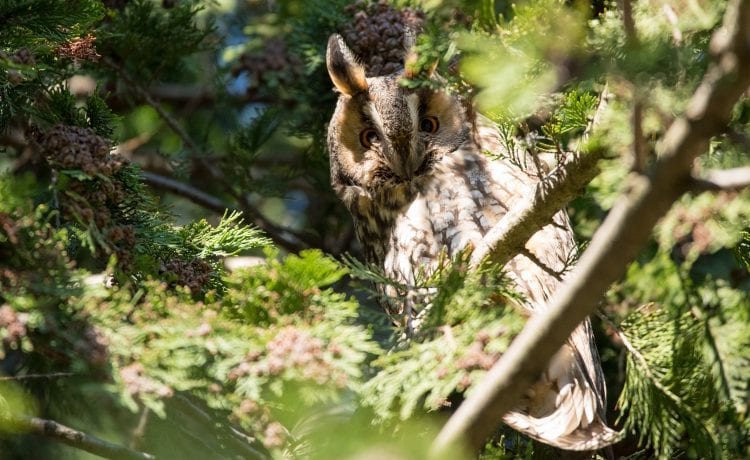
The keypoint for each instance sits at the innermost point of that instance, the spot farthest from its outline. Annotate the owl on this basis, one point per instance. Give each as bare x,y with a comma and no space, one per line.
409,165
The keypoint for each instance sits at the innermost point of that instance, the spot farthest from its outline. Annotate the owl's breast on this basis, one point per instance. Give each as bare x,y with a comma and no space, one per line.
452,207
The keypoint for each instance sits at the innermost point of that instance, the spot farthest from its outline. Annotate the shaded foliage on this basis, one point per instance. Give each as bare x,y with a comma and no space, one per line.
118,316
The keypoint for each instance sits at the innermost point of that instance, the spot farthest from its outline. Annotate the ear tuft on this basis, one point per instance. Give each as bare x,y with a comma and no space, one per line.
346,73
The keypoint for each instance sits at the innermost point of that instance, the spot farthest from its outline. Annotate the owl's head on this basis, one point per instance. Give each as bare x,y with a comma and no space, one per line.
383,135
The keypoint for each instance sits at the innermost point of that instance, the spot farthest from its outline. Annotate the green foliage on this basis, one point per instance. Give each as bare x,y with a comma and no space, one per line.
469,322
228,238
236,361
511,67
39,23
150,42
32,33
687,376
569,120
662,399
281,352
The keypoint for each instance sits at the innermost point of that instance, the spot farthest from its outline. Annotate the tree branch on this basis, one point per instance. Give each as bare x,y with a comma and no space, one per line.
722,179
52,375
198,197
617,242
250,448
77,439
533,212
281,236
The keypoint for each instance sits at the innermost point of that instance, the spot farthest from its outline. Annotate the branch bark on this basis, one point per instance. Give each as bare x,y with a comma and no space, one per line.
617,242
198,197
722,179
509,235
77,439
281,236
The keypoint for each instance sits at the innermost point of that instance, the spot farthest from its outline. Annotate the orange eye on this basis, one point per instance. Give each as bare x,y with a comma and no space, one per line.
429,125
367,137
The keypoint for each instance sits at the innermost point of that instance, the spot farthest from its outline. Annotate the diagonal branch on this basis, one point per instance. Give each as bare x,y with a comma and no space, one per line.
193,194
509,235
280,236
722,179
617,242
535,210
77,439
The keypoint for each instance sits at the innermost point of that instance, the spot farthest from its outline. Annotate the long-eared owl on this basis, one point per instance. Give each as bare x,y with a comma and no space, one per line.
410,167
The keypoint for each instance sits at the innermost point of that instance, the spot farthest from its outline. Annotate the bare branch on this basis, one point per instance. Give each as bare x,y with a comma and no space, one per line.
639,143
722,179
247,446
636,118
281,236
52,375
198,197
617,242
77,439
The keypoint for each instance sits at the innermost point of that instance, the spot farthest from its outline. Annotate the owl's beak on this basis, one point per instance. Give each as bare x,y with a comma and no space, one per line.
404,158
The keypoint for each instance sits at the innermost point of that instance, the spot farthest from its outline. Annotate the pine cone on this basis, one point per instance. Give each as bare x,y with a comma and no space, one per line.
272,62
71,147
376,34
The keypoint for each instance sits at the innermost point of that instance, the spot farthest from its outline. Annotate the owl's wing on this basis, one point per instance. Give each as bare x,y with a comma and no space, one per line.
566,407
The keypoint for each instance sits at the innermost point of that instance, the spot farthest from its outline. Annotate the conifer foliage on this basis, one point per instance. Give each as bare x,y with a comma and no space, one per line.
177,279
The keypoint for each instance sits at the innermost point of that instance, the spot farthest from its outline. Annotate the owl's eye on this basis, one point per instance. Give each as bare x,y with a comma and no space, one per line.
429,125
367,137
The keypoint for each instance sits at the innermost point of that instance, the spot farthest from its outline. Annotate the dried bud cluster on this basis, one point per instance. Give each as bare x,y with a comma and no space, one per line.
9,227
194,274
137,382
12,326
274,434
23,57
91,202
71,147
92,346
476,357
79,49
376,35
272,63
295,349
99,197
122,237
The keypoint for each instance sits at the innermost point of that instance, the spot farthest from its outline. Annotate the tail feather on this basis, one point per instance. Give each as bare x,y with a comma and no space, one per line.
565,408
595,436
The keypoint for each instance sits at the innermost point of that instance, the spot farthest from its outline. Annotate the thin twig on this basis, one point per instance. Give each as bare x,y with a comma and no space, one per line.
621,236
139,431
628,22
77,439
639,143
249,446
52,375
636,119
